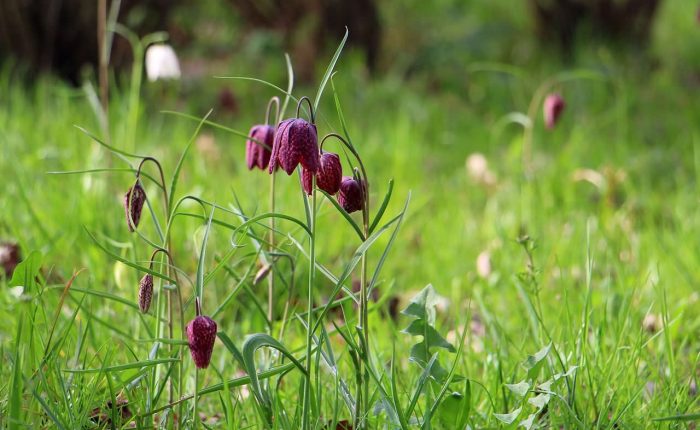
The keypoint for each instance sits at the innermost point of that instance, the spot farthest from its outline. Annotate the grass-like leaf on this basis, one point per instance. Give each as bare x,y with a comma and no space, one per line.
122,367
329,70
127,262
382,208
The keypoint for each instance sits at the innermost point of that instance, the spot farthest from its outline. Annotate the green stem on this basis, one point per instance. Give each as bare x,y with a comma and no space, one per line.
271,275
195,419
365,337
309,314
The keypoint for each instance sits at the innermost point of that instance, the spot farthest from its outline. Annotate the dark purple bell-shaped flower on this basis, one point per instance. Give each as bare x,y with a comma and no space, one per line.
328,177
133,205
145,292
256,155
351,195
10,257
296,141
201,334
553,107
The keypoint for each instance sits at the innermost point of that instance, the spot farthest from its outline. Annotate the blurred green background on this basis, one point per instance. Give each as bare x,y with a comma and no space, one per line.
424,86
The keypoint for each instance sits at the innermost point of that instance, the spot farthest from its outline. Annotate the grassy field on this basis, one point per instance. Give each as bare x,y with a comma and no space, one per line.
571,274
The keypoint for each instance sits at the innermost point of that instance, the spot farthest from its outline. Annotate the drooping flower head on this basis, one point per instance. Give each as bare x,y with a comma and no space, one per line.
201,334
257,155
553,107
351,195
145,292
328,177
10,256
161,62
133,205
296,142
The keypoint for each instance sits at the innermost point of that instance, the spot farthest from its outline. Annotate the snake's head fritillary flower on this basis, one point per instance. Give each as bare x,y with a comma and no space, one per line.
201,334
161,62
553,107
10,256
351,195
145,292
328,177
133,205
257,155
296,142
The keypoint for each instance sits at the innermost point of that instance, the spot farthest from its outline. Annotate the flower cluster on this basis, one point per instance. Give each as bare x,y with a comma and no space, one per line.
294,142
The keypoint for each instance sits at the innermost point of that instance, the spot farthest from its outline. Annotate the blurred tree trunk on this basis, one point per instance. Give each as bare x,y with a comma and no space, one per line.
310,27
60,36
629,21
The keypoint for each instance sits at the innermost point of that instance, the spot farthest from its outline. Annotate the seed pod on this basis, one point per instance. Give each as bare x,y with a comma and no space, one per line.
296,141
201,334
257,155
351,195
262,274
10,256
553,107
328,177
145,292
137,195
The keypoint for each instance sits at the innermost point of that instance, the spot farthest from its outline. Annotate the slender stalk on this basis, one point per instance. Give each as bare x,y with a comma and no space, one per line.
172,272
362,396
195,418
365,335
271,275
310,313
274,101
103,63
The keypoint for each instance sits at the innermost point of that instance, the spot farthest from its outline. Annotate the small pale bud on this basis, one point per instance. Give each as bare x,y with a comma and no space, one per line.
161,62
262,274
483,264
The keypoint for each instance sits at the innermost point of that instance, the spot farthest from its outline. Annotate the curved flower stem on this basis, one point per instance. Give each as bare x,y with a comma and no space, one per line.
310,307
162,177
312,116
276,101
365,179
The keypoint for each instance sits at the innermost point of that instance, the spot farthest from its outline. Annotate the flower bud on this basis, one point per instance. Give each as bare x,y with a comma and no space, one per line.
262,274
553,107
328,177
257,155
10,256
161,62
145,293
351,195
295,142
201,334
133,205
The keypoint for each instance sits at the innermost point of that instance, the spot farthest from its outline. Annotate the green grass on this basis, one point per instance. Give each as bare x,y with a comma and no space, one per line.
599,259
